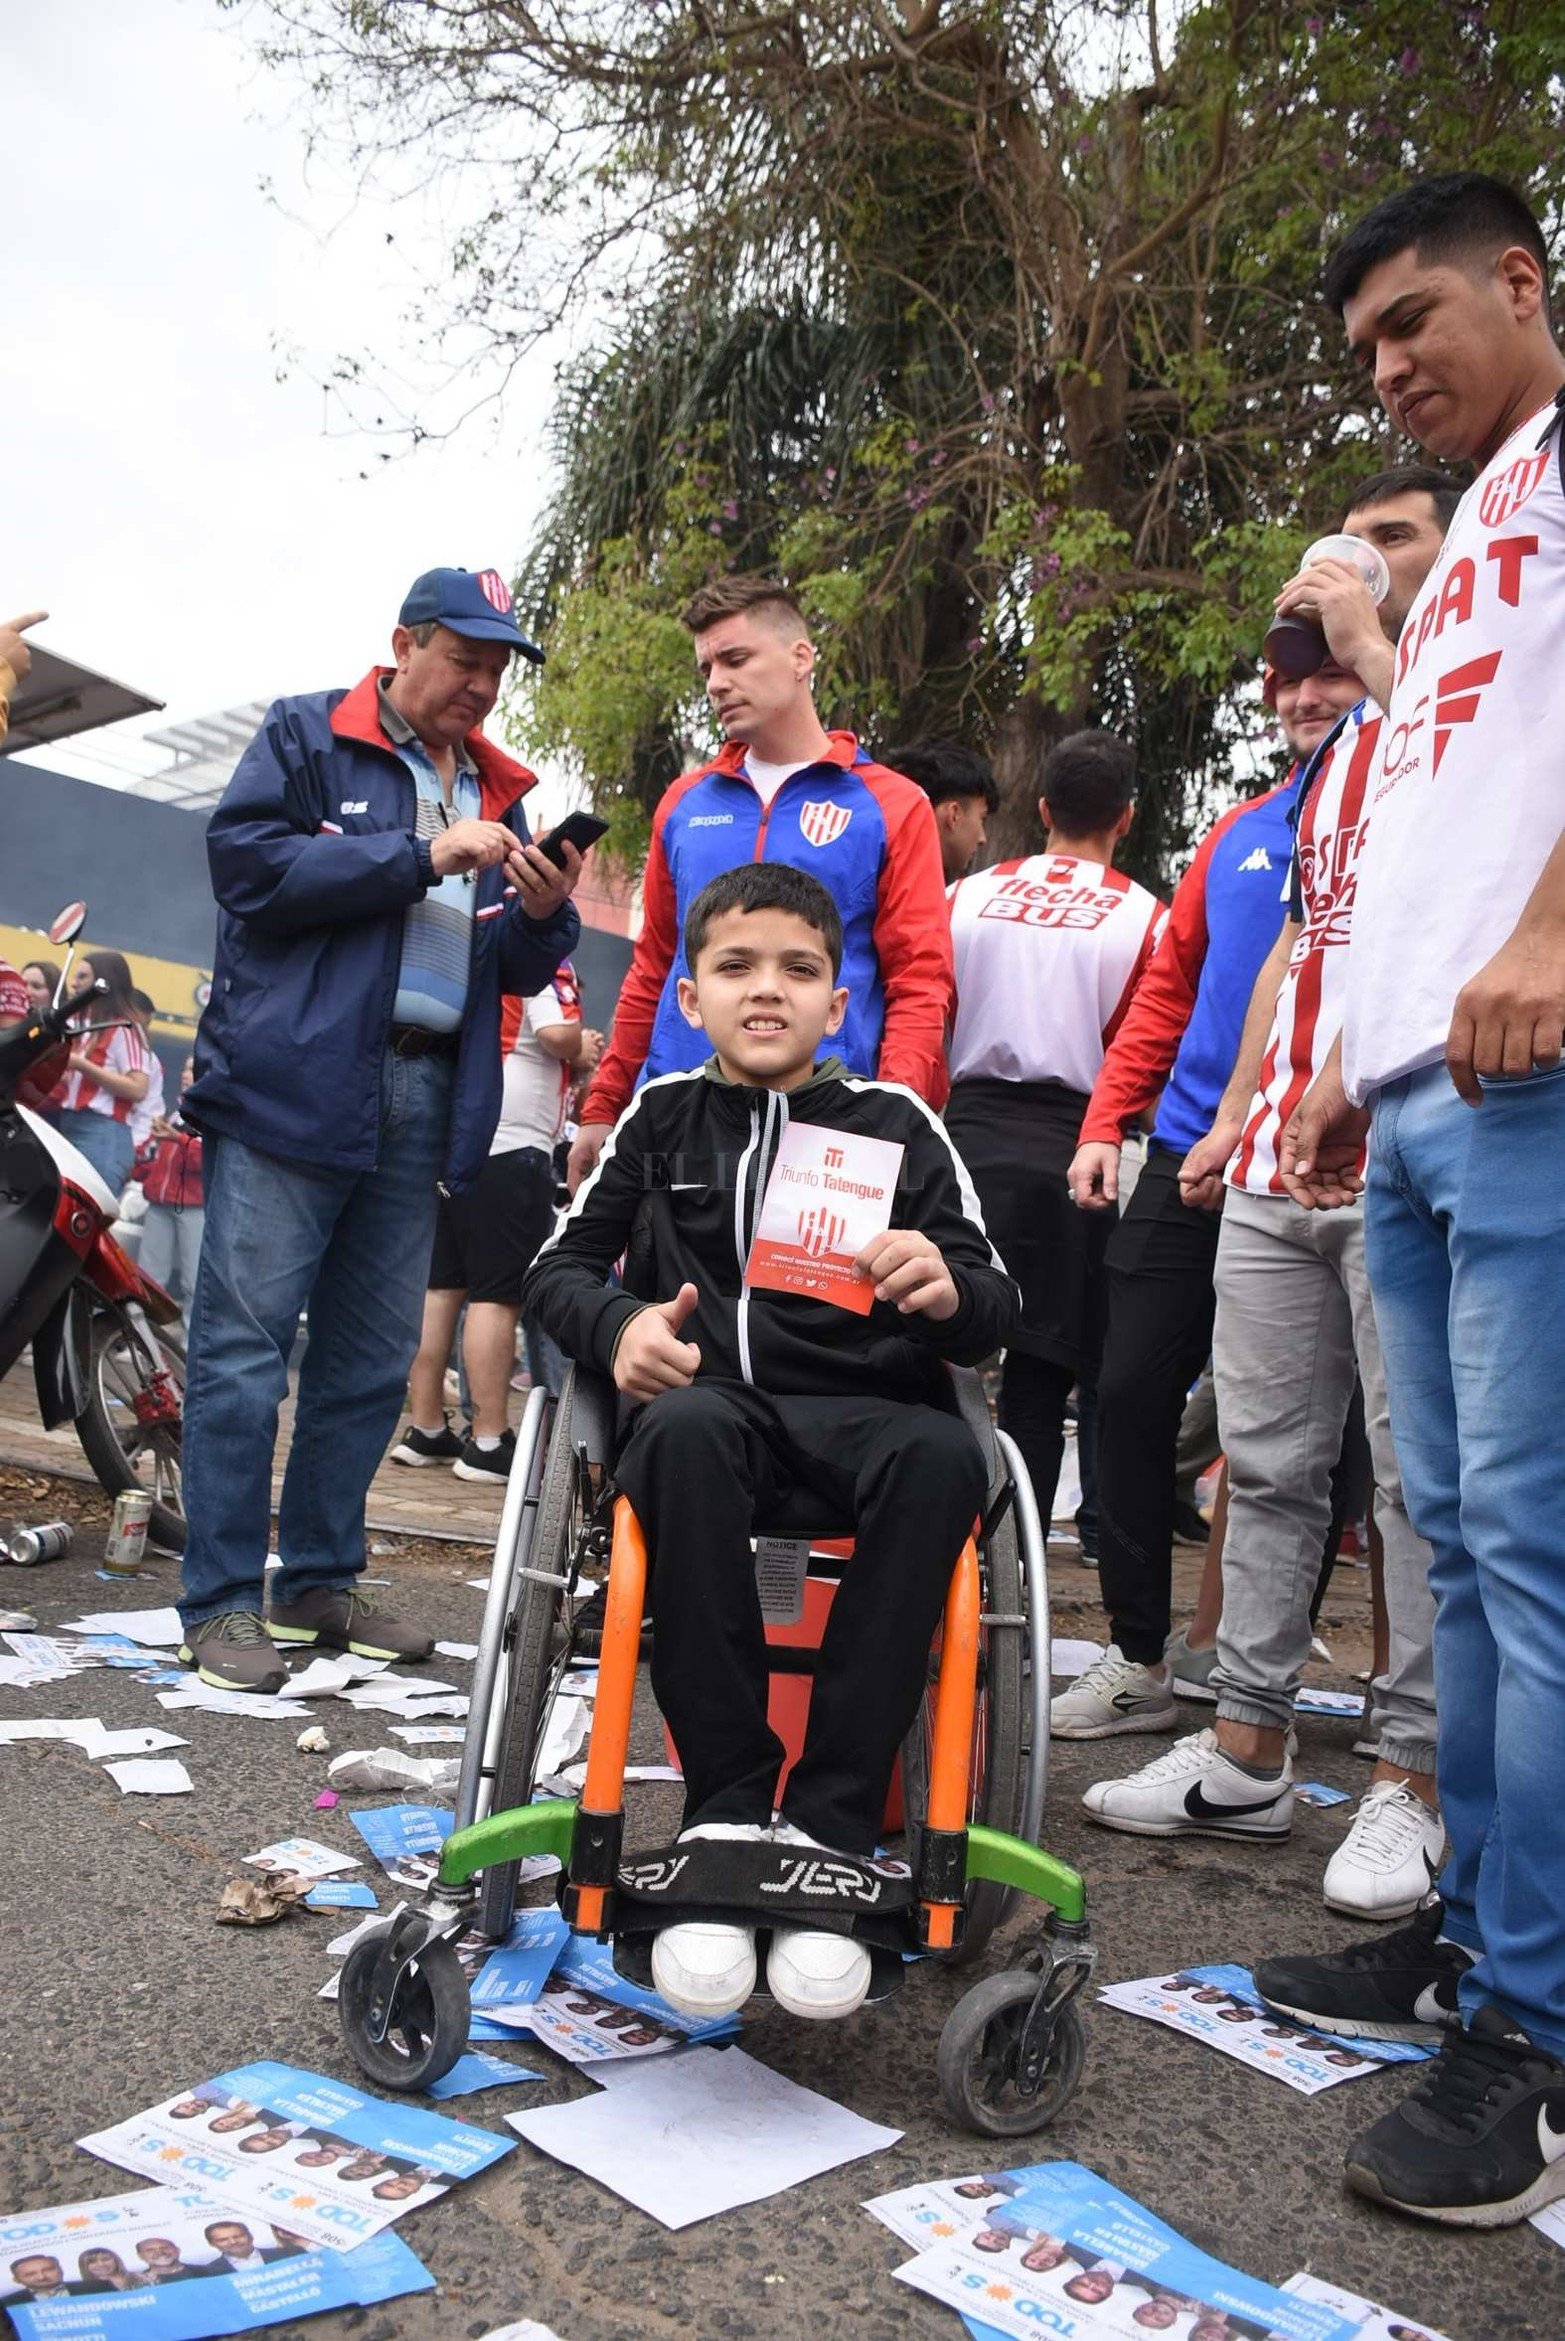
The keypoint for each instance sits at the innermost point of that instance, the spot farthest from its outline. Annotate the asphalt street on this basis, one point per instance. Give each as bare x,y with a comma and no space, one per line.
122,1990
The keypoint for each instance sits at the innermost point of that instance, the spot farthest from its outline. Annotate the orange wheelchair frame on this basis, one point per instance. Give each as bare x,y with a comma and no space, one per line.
1012,2050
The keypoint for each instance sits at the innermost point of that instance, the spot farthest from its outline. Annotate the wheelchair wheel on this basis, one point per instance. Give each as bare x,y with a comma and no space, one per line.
976,2060
998,1770
429,2015
539,1640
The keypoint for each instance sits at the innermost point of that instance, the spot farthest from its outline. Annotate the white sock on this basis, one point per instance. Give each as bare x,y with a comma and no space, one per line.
431,1430
485,1445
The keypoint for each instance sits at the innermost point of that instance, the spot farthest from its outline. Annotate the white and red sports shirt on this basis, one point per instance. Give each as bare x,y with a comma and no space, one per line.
1333,817
1048,951
537,1086
119,1049
1469,798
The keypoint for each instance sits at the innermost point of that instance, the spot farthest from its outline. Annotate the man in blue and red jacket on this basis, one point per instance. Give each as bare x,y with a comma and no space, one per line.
377,893
784,789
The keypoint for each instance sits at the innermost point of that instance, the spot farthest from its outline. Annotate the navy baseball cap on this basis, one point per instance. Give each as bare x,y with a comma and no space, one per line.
474,602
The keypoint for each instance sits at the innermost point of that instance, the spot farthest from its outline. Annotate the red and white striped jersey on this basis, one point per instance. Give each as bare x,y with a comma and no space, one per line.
118,1049
1048,951
1333,818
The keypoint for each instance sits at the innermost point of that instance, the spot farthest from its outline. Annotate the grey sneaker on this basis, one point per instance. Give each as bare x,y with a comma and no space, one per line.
340,1617
1113,1696
1190,1671
234,1653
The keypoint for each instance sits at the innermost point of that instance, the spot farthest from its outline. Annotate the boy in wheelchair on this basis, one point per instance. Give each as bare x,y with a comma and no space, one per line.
776,1412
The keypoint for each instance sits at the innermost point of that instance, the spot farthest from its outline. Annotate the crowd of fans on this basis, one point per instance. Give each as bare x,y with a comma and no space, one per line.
1169,1113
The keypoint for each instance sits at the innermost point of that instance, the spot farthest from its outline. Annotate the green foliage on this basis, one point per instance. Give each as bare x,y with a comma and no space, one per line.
992,324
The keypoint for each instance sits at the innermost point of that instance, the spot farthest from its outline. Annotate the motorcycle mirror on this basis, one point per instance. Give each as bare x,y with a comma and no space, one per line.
68,923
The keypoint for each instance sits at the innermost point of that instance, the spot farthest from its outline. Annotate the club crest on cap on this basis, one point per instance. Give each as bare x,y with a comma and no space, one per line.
495,591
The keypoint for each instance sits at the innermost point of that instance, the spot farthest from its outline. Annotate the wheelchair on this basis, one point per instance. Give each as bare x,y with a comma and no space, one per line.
973,1778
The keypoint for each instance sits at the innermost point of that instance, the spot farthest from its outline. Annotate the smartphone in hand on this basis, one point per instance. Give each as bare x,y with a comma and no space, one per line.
578,829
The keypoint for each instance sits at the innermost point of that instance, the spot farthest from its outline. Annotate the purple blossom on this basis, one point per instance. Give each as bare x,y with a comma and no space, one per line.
714,528
1410,62
975,643
731,510
911,445
1312,25
986,402
937,458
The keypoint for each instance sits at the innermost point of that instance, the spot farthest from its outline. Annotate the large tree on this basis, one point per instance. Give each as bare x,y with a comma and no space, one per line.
992,325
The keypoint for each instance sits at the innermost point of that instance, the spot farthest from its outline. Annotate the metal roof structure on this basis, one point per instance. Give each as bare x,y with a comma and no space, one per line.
202,755
59,698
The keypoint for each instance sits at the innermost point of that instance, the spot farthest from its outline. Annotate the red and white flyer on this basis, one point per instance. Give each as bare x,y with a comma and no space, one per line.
830,1194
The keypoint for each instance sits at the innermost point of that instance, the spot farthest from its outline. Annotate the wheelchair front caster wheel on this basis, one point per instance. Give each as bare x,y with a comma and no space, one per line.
977,2059
426,2029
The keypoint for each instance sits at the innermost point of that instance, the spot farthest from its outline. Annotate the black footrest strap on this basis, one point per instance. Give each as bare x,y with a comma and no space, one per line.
787,1883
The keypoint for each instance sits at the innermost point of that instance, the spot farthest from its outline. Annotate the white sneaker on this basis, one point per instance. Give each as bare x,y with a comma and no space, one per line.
1194,1790
1114,1695
700,1967
817,1975
1389,1859
811,1974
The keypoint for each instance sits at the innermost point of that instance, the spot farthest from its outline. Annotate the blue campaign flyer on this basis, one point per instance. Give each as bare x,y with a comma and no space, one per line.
1239,1985
171,2264
340,1894
1060,2251
333,2164
476,2071
516,1970
403,1838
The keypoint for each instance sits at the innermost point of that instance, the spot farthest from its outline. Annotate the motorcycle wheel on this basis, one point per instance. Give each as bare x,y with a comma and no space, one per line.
123,1453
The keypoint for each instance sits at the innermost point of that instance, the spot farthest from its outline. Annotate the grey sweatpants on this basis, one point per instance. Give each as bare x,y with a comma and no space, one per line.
171,1246
1294,1324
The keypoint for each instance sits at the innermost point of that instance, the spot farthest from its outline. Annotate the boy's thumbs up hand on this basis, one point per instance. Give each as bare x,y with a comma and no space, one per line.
649,1356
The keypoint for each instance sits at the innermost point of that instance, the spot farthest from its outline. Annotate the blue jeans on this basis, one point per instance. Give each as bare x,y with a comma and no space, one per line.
107,1144
1465,1226
354,1247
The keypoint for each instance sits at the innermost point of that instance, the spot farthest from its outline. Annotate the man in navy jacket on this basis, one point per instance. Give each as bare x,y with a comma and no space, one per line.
377,893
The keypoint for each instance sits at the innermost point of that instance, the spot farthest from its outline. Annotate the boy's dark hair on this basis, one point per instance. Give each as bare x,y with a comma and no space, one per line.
765,886
1088,780
944,769
1409,479
1457,214
733,597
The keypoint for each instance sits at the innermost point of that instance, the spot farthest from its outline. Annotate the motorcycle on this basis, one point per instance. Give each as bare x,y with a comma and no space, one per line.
107,1350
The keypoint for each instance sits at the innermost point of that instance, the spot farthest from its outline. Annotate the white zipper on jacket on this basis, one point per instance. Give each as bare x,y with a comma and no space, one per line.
761,1135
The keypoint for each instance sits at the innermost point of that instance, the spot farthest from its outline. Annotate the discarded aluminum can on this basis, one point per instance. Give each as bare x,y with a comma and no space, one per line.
27,1547
122,1555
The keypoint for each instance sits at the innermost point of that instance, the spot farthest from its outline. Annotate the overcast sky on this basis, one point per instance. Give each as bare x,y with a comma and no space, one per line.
196,526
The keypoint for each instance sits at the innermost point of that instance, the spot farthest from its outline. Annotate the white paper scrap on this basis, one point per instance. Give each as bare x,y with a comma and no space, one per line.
151,1776
467,1650
1374,2322
136,1740
155,1629
1550,2221
1070,1657
324,1676
429,1735
689,2136
260,1705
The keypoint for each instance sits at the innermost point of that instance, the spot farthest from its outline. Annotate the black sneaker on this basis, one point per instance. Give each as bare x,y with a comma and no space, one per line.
1480,2142
418,1447
1190,1526
491,1463
1396,1986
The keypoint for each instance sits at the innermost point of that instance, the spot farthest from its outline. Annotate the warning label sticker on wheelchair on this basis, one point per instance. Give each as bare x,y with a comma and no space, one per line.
780,1565
830,1194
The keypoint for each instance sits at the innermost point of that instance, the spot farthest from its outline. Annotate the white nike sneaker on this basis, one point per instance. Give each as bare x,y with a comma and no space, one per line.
703,1968
1389,1859
1194,1791
817,1975
1115,1694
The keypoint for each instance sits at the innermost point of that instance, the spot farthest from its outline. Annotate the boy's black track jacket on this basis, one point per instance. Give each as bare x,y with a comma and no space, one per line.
677,1190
